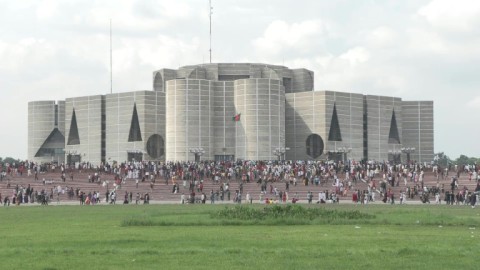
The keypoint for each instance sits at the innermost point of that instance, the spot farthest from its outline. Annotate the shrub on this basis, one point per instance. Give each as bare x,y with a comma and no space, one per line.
289,212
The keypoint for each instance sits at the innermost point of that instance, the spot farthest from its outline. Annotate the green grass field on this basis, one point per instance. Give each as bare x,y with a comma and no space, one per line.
195,237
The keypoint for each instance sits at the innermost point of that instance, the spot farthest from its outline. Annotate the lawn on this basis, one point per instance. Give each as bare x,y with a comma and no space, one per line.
195,237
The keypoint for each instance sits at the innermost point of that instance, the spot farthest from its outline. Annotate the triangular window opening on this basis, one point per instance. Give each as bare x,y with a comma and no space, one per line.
135,133
334,134
73,138
54,143
393,136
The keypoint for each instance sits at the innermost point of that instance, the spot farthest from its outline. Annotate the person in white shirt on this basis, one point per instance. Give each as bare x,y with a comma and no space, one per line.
248,198
182,198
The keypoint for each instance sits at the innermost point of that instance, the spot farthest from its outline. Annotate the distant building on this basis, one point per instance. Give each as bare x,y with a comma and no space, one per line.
190,114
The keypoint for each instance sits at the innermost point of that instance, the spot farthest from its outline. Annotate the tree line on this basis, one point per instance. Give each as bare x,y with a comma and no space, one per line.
9,160
443,160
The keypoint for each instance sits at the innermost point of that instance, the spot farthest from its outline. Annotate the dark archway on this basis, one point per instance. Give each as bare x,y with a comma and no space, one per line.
135,156
314,145
158,82
155,146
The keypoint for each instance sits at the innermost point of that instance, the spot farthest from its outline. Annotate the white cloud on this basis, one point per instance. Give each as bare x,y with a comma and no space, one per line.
122,20
174,9
15,55
280,35
356,56
46,9
135,16
459,15
168,50
382,36
474,103
425,41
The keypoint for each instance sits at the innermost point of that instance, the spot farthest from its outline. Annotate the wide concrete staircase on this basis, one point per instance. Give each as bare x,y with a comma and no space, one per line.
162,191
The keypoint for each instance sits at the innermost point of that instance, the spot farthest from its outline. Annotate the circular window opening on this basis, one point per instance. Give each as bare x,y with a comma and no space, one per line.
155,146
314,145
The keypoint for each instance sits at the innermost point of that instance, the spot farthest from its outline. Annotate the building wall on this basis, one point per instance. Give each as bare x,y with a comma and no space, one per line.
379,110
160,78
294,80
61,116
223,125
261,129
193,106
304,115
349,108
153,111
119,112
88,111
418,129
302,80
189,118
41,122
229,69
309,113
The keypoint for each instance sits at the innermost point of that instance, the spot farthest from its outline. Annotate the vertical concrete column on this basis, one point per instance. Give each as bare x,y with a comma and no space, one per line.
189,119
261,129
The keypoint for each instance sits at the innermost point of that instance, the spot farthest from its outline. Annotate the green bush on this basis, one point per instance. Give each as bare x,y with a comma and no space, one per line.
289,213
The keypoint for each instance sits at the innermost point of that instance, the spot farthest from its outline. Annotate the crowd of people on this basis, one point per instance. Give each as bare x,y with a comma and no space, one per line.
333,180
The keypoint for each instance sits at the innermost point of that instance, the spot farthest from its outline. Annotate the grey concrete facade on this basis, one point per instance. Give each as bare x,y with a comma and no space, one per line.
418,128
191,109
311,113
88,117
379,115
189,118
256,91
43,118
262,130
119,118
223,125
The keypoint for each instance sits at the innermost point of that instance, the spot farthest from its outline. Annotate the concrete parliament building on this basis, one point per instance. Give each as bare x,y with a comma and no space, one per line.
190,115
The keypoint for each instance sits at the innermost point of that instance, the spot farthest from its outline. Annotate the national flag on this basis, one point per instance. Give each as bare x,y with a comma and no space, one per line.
236,118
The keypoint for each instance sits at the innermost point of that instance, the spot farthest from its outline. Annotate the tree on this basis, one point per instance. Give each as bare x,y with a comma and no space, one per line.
442,160
9,160
463,160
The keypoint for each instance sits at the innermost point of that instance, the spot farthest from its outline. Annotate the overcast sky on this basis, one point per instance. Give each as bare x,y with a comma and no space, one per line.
413,49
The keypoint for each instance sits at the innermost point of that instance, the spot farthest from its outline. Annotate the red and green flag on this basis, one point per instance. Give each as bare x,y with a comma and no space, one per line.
236,118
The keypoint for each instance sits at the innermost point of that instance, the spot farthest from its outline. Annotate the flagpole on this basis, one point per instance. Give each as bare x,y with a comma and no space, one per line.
111,80
210,16
236,136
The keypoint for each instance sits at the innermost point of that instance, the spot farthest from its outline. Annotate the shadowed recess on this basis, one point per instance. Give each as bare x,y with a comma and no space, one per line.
73,137
335,134
135,133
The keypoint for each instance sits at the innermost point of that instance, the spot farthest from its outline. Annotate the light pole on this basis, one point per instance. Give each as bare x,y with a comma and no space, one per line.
197,152
280,152
408,151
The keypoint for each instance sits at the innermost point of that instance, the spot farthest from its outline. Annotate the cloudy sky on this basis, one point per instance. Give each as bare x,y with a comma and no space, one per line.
414,49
